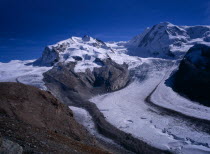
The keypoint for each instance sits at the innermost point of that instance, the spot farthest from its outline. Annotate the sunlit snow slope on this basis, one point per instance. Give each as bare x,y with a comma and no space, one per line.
18,71
166,40
82,50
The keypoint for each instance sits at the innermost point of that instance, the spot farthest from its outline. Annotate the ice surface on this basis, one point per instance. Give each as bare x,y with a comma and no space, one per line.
17,71
128,111
164,96
85,119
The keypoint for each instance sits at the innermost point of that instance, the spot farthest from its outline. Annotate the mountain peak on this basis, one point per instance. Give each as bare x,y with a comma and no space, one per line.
86,38
167,39
82,50
165,23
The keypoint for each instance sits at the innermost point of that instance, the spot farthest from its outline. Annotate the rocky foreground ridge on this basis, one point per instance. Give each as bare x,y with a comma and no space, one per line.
34,121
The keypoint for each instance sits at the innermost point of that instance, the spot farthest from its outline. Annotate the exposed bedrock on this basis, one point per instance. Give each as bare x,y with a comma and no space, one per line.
9,147
193,76
109,77
49,57
39,123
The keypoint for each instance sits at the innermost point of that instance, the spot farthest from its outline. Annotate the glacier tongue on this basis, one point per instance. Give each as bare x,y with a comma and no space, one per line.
129,111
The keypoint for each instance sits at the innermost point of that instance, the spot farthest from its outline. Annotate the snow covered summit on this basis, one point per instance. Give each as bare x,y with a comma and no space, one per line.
75,49
163,40
167,40
84,51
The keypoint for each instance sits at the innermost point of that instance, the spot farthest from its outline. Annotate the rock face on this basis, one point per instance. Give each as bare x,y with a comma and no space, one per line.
49,57
109,77
193,76
7,146
38,122
167,40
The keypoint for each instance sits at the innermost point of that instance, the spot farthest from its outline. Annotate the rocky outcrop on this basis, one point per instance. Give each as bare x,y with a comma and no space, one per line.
38,122
109,77
9,147
193,76
49,57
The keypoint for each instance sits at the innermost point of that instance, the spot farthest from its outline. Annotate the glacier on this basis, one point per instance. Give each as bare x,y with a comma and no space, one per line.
147,108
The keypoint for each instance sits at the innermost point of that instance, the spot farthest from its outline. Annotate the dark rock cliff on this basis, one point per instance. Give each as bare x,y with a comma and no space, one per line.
193,76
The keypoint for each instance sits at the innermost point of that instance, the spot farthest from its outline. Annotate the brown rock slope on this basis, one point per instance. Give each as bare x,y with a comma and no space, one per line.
38,122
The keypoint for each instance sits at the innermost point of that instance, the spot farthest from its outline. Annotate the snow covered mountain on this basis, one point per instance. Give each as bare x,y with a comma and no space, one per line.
75,49
146,108
163,40
167,40
84,52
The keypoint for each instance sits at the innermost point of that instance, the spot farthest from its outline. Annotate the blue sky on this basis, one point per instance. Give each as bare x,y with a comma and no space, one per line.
28,25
